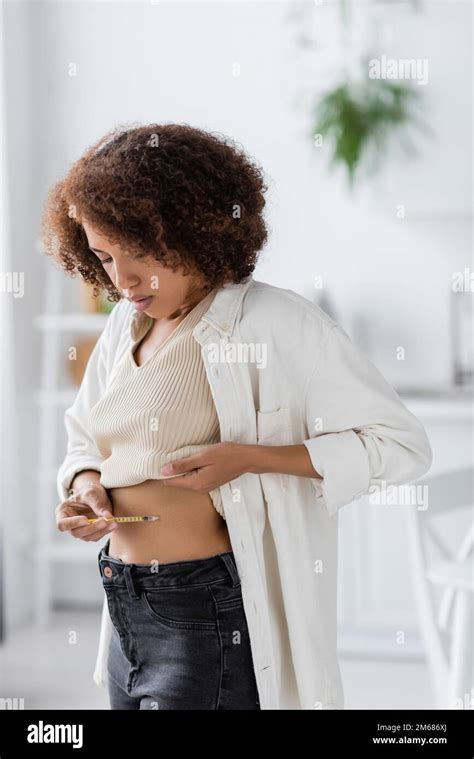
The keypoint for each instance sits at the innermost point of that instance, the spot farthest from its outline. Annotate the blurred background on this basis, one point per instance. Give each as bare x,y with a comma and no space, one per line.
360,114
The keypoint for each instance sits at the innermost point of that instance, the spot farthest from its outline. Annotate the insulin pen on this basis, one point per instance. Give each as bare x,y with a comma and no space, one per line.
124,519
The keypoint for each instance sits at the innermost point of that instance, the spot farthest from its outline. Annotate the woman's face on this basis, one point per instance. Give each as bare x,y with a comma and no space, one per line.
168,293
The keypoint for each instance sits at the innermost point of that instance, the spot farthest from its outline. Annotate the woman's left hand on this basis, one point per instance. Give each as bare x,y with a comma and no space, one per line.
208,469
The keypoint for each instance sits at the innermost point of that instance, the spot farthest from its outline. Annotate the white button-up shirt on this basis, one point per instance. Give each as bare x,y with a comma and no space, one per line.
281,372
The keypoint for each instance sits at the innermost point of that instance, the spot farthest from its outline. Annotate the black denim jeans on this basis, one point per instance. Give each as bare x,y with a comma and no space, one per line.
179,635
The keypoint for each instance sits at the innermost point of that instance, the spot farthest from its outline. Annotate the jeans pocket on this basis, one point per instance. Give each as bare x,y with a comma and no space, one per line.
184,608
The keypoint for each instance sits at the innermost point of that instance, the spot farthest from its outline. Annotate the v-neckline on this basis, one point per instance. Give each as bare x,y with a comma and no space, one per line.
136,343
140,339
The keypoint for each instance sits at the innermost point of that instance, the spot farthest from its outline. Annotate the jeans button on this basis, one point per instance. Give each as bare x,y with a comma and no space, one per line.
108,572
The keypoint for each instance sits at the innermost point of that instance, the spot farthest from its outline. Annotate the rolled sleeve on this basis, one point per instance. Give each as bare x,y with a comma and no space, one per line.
360,432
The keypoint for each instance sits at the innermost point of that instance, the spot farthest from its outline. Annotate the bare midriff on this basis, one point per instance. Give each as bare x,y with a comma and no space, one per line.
189,527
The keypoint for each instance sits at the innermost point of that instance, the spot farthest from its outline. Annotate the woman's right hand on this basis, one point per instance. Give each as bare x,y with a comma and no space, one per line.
91,500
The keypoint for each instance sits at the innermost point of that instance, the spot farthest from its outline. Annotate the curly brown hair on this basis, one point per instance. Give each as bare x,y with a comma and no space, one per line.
186,196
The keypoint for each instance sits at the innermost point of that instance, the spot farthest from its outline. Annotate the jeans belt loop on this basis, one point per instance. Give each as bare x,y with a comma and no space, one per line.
231,567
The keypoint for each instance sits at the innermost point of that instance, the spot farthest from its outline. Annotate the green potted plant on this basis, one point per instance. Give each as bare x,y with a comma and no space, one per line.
358,119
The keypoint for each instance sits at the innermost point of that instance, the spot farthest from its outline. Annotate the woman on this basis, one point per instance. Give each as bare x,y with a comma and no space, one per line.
214,605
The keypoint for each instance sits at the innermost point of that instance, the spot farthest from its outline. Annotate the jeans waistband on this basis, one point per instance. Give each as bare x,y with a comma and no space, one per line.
135,577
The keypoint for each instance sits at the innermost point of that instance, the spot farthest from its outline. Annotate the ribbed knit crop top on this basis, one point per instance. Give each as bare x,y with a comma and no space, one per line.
159,411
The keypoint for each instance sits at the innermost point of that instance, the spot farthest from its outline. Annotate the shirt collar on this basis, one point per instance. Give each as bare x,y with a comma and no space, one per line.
225,306
221,314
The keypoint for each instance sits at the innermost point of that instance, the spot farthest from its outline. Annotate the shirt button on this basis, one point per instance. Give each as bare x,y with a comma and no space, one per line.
108,572
215,371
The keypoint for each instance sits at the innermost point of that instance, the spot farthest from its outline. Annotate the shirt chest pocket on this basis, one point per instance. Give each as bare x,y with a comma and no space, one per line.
274,428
